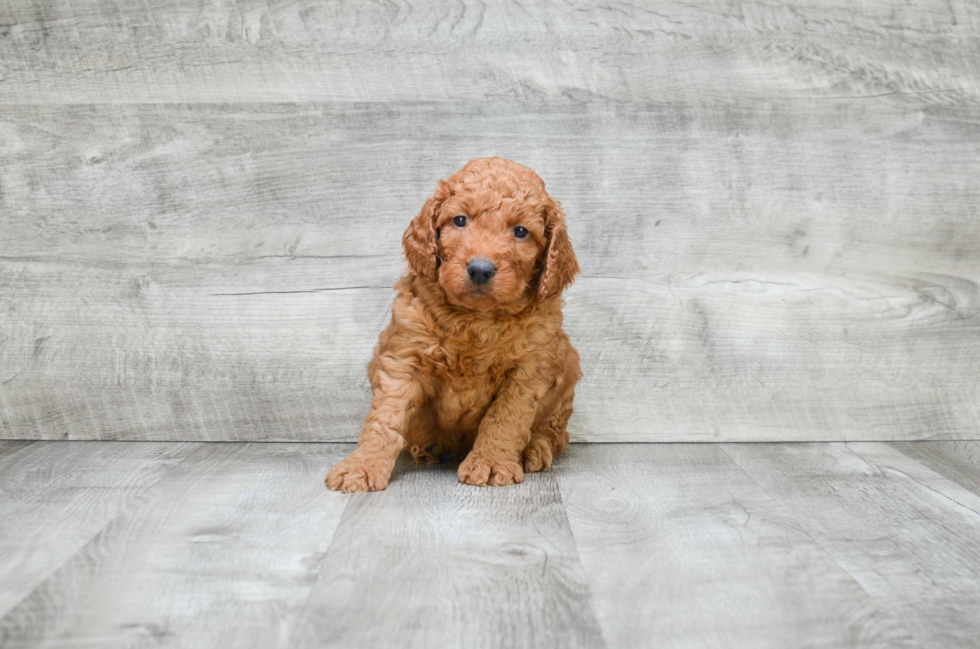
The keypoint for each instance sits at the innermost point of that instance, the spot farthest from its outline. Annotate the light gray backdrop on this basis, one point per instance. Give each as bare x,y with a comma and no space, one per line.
775,207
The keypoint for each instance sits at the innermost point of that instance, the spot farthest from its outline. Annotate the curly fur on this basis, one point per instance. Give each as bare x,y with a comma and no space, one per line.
484,372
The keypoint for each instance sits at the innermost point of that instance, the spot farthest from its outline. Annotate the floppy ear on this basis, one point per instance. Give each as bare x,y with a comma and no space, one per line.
419,240
560,265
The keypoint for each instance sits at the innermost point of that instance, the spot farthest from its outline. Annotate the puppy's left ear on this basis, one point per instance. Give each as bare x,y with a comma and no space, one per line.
560,265
419,240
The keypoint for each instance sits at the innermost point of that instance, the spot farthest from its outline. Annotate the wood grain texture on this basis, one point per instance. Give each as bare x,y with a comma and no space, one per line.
910,537
790,270
955,461
683,549
55,497
87,51
431,562
241,545
776,282
774,204
222,552
9,448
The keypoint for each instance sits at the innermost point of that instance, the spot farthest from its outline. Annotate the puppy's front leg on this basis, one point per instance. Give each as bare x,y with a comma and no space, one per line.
396,397
504,432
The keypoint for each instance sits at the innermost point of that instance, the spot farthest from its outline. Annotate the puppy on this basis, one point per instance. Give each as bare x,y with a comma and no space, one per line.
475,361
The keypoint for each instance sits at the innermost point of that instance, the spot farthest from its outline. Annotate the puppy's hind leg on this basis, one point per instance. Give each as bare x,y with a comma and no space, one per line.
421,437
549,439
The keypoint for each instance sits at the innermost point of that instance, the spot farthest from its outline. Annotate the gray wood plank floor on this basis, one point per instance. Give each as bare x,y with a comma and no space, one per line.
107,544
68,492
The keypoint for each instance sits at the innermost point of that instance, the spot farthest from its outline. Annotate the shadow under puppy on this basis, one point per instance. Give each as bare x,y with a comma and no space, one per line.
475,359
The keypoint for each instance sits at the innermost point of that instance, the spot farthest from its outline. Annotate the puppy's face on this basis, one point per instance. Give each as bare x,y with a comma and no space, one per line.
489,247
490,236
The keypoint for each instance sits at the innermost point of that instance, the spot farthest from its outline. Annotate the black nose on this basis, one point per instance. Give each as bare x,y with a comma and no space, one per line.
480,271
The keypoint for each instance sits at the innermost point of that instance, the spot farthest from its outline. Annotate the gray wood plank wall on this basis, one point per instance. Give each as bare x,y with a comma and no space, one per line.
775,207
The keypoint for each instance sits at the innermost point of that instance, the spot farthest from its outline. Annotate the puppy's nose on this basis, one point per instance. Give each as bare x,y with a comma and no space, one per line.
480,271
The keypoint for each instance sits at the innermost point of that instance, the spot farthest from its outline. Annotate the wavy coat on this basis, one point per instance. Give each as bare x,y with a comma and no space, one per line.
484,372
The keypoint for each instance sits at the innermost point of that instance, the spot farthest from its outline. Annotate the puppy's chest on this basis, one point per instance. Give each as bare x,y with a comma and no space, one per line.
465,381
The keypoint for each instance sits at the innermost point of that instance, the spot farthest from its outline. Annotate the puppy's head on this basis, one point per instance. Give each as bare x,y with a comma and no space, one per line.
490,236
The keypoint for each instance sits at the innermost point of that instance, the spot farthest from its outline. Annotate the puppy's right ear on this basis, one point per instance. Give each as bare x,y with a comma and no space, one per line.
419,241
560,263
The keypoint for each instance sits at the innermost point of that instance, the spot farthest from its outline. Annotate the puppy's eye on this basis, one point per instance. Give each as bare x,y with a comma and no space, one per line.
520,232
460,221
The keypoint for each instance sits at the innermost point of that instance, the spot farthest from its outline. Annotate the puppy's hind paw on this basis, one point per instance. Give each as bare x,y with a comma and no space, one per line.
537,456
424,455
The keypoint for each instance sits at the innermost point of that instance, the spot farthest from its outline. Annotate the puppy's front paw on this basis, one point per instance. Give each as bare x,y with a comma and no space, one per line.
481,471
359,474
